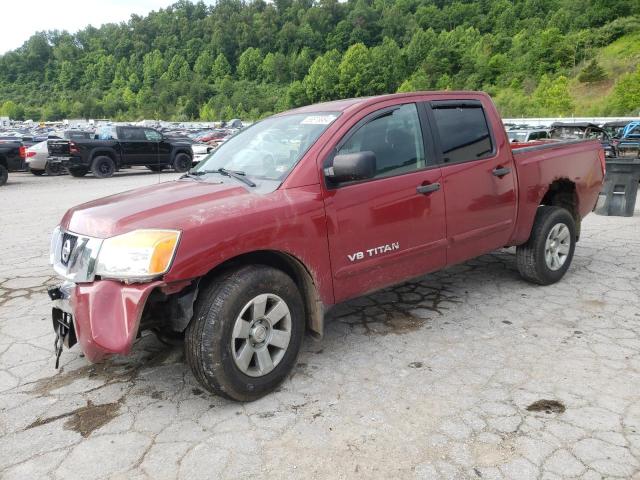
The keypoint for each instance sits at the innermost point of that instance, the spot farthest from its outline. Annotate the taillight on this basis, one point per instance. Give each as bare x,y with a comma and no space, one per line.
73,148
603,162
30,154
23,151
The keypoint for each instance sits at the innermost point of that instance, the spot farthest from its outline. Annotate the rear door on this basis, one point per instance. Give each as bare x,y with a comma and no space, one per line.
479,179
391,227
136,148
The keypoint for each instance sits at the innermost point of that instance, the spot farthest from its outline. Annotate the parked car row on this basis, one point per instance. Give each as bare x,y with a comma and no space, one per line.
617,138
50,149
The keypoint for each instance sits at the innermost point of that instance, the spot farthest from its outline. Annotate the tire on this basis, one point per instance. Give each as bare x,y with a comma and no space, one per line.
547,255
78,172
103,167
211,346
37,173
54,169
182,162
4,175
156,168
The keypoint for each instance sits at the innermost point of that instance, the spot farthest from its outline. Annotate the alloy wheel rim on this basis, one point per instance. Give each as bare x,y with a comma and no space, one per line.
557,246
261,335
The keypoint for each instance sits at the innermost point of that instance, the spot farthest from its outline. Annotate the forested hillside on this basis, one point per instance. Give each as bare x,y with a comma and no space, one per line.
248,59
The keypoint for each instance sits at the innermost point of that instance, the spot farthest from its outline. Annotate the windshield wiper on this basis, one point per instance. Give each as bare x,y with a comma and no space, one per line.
238,175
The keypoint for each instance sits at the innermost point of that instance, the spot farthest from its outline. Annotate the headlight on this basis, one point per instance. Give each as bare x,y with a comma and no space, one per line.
137,256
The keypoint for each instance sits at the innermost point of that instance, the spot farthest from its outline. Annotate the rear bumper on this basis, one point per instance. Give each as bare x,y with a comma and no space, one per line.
67,162
105,314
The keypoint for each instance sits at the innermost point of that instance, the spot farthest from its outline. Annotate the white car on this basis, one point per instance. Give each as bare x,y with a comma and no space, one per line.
36,158
200,151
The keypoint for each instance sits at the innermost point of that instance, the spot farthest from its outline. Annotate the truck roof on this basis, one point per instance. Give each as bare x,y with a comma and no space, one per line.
342,105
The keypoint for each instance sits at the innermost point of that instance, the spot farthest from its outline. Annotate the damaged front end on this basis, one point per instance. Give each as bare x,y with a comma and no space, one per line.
104,313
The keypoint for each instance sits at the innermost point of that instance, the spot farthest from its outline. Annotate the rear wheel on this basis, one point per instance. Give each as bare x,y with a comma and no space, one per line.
54,169
246,332
36,172
4,175
182,162
103,167
78,172
546,256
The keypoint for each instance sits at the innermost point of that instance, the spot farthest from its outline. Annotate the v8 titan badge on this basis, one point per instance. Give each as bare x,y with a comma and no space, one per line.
372,252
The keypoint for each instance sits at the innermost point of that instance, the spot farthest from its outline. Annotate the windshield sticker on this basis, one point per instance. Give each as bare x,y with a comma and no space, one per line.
318,120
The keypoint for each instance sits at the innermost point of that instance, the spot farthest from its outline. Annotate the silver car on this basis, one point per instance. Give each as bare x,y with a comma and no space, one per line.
37,161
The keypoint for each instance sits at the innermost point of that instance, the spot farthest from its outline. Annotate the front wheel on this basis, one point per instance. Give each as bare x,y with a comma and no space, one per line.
246,332
182,162
546,256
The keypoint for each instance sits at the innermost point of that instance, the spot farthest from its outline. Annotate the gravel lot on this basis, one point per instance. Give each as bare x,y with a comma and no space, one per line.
468,373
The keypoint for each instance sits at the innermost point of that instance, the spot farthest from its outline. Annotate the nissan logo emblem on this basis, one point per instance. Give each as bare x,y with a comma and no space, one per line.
66,251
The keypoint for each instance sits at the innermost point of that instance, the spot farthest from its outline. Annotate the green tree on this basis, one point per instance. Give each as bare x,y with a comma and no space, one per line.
592,73
355,71
552,98
221,68
322,81
249,64
625,99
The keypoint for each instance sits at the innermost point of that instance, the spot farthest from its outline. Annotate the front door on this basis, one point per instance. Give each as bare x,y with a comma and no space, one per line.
479,180
391,227
137,149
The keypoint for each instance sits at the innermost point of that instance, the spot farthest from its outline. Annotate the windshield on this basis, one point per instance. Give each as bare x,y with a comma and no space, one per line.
517,136
269,149
568,133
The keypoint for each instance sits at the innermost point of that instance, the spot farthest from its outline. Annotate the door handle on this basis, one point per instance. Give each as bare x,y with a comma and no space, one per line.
427,189
501,171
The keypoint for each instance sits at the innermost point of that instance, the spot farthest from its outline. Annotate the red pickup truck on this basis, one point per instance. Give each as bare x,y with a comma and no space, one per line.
307,209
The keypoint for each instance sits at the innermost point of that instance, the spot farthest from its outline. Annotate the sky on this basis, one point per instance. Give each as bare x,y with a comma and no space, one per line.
21,19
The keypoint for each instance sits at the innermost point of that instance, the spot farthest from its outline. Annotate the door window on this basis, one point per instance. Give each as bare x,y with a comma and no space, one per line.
464,132
394,137
132,134
152,135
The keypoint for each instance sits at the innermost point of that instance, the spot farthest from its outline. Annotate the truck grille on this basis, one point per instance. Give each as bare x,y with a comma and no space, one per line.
74,256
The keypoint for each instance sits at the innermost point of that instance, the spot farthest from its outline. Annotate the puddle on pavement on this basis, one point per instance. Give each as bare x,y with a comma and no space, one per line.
389,311
84,420
546,406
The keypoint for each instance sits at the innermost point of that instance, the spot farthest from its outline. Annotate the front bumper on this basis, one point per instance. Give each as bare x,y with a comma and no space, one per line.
104,315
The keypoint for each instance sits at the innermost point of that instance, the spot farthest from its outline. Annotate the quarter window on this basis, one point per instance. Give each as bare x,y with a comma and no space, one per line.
394,137
464,133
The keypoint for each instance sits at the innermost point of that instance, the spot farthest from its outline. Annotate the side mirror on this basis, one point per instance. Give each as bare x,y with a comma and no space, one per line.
352,166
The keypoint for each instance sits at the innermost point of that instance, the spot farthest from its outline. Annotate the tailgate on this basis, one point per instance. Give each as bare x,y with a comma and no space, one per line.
58,147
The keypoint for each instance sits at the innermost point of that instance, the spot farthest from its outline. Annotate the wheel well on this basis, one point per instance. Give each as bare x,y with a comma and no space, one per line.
290,265
175,154
562,193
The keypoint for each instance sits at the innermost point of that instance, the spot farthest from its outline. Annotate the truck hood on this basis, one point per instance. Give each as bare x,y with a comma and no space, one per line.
171,205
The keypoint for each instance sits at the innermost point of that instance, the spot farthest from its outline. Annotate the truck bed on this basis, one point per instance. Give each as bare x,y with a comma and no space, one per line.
538,166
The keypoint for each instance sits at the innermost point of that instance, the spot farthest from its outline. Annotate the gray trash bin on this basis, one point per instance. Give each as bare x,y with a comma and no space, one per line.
620,189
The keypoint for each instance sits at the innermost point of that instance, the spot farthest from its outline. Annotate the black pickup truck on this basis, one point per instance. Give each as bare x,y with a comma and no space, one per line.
12,156
120,147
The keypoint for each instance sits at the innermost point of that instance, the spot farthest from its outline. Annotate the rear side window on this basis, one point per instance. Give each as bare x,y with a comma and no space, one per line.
394,137
464,132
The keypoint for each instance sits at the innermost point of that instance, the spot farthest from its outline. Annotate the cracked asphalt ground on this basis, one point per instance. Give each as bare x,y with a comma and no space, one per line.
467,373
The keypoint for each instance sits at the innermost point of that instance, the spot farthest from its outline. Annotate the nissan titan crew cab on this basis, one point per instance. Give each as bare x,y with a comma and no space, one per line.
307,209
